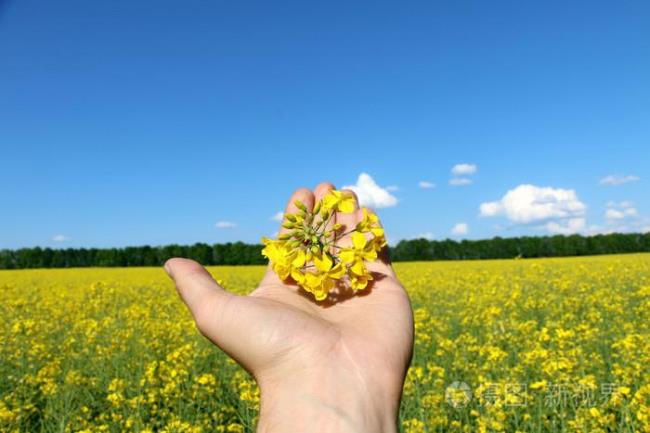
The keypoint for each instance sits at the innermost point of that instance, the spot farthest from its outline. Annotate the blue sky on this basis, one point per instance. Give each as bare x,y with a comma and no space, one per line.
128,123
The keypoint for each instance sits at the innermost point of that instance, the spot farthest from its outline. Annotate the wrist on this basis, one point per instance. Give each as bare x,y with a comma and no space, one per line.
327,401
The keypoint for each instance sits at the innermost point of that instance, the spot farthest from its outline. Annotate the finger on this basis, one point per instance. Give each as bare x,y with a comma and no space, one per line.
320,192
210,305
303,195
354,194
243,327
194,284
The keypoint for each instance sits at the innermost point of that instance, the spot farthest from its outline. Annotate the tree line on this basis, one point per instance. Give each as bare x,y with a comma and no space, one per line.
524,247
239,253
236,253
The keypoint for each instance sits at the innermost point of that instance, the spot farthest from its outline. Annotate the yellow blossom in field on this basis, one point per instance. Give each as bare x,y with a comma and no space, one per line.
541,384
543,345
413,426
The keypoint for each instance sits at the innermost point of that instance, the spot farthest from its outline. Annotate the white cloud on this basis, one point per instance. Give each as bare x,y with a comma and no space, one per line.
460,229
529,203
463,169
619,211
278,216
566,227
618,179
426,184
225,224
619,214
492,208
370,194
425,235
645,229
614,214
460,181
621,217
392,188
60,238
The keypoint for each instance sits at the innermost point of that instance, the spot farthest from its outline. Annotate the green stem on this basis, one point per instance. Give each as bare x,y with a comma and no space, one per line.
347,233
326,222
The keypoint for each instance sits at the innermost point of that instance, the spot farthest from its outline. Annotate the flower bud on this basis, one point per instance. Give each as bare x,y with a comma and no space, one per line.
300,205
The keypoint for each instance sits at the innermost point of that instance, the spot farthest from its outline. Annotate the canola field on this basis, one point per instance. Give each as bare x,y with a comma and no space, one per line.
549,345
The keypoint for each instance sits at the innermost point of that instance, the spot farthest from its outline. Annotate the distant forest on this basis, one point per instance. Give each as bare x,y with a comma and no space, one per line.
239,253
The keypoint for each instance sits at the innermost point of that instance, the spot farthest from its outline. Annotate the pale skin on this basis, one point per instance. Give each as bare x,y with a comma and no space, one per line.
322,367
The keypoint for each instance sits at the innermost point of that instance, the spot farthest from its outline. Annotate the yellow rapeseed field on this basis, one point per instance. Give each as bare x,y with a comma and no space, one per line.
518,345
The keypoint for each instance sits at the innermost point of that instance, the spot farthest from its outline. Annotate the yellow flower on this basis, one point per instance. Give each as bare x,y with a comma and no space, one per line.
318,285
355,257
370,223
341,201
539,385
280,255
206,380
361,250
321,282
360,282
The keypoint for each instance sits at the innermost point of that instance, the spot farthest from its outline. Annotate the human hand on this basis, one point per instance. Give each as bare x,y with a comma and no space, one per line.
337,365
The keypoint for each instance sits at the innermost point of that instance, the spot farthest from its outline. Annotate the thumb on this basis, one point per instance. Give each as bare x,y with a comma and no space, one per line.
213,308
194,284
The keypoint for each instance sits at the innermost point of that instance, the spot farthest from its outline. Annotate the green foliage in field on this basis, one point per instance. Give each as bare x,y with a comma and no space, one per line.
542,345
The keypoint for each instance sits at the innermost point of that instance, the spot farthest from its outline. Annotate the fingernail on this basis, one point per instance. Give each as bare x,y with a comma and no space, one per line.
168,270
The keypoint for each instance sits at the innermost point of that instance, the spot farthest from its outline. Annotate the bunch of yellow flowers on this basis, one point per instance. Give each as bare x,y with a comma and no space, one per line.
310,252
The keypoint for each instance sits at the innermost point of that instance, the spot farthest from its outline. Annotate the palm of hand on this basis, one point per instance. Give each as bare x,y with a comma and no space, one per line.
366,333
